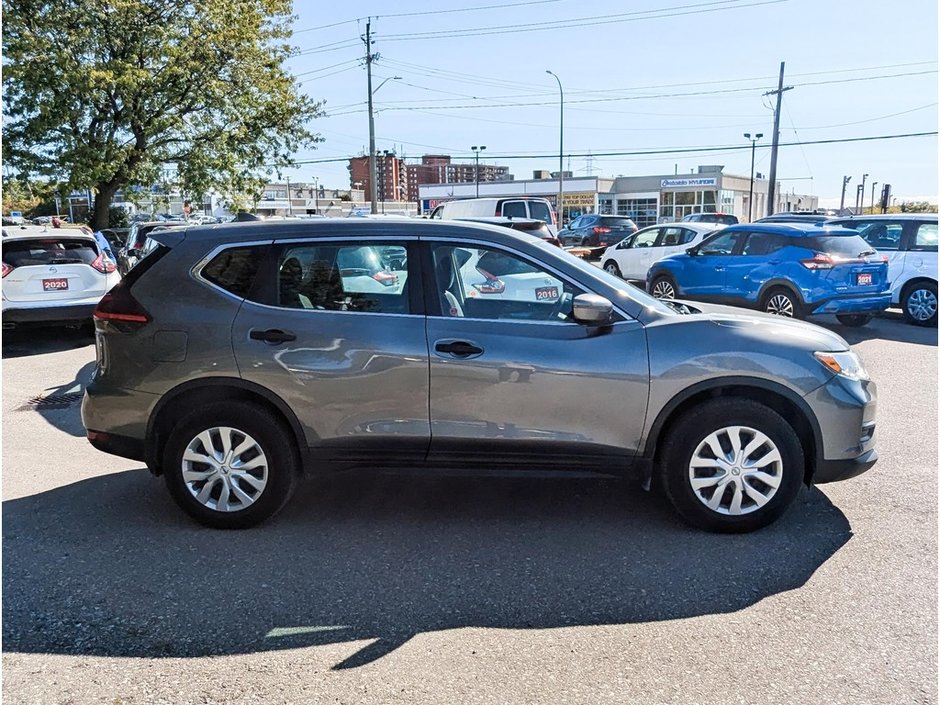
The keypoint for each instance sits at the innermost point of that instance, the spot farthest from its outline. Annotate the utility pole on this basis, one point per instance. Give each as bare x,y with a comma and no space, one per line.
369,58
290,203
776,141
845,181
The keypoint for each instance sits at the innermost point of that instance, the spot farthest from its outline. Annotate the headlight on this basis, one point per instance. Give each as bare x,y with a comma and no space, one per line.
846,364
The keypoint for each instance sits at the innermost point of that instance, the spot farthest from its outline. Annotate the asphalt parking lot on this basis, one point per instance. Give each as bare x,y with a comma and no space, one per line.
399,589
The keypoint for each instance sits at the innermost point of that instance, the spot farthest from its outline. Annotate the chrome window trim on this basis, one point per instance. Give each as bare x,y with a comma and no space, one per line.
249,302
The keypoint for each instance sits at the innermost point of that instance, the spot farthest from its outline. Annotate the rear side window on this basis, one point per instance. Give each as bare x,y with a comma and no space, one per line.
540,211
879,234
235,269
45,251
354,277
515,209
926,237
843,246
687,236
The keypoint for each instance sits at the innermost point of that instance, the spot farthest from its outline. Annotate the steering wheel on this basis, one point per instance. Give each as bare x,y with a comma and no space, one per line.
564,301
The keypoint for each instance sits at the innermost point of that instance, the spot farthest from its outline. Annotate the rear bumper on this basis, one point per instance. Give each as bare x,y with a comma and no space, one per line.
123,446
50,314
867,303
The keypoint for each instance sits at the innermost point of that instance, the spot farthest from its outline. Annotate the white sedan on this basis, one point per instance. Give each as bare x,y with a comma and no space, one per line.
632,257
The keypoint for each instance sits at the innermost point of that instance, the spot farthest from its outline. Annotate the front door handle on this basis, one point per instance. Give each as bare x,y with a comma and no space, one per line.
458,348
272,335
719,268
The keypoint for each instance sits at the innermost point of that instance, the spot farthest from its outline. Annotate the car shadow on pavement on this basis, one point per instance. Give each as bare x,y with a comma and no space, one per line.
109,567
29,340
60,405
885,327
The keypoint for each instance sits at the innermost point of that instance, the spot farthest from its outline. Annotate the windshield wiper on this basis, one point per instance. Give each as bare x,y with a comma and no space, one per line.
865,253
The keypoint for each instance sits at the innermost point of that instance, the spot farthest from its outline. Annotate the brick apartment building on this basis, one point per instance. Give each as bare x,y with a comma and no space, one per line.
397,181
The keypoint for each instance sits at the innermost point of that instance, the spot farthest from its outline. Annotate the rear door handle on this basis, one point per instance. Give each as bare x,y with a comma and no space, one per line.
272,335
458,348
773,261
719,268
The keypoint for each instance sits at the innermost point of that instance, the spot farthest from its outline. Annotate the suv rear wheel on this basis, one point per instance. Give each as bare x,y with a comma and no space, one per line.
780,301
230,465
611,268
919,303
731,465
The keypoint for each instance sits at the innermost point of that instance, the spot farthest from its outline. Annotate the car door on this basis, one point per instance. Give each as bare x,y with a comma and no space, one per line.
638,254
520,375
703,274
758,262
339,336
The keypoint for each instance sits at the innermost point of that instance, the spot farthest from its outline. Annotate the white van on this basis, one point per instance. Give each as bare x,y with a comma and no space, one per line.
510,207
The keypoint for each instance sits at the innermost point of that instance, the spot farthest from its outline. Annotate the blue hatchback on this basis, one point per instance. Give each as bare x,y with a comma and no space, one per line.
791,270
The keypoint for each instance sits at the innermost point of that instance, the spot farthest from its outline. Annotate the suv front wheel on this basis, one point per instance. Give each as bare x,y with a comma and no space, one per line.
230,465
731,465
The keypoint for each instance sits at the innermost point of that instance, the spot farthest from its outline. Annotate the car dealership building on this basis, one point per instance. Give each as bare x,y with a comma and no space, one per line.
645,199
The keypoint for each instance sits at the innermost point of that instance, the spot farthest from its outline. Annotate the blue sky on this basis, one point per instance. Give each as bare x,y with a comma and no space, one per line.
650,75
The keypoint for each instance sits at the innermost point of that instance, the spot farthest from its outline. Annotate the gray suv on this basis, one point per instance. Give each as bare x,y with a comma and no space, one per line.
234,359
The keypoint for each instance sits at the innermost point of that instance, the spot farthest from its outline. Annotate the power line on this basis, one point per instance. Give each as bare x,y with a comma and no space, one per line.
677,150
695,9
636,97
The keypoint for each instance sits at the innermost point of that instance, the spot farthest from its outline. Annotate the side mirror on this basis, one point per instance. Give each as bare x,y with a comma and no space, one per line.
691,251
592,309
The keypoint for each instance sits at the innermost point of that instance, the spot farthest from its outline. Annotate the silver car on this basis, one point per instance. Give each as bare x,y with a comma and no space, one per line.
235,359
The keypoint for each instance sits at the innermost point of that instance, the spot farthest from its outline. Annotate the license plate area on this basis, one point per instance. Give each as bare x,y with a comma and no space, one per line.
57,284
546,293
863,279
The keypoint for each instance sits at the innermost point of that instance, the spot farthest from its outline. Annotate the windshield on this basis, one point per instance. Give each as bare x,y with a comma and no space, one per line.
633,292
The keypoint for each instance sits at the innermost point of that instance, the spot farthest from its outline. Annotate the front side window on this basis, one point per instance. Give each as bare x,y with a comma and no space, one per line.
926,237
647,238
540,211
487,283
359,277
722,243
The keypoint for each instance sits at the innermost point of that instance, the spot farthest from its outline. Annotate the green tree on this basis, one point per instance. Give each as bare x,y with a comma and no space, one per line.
102,94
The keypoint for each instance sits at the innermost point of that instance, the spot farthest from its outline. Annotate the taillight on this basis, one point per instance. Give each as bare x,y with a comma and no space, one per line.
820,261
7,269
119,305
600,229
884,258
103,264
492,285
386,278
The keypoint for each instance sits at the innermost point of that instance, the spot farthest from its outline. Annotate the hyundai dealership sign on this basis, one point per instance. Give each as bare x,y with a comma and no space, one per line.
688,183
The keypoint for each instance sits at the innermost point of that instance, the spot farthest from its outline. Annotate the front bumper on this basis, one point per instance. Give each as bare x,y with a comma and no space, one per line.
868,303
836,470
845,413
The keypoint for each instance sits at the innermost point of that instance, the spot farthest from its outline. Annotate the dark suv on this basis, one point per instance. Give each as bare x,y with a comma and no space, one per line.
596,232
234,358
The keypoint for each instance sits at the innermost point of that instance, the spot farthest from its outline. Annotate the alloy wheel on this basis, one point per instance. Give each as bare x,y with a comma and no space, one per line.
225,469
780,305
922,304
663,289
735,470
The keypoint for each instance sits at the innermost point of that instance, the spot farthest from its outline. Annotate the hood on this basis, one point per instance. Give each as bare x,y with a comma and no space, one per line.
772,328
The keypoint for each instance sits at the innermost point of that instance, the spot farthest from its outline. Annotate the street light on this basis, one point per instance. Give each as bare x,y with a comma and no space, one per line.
561,147
861,200
873,184
375,208
845,181
750,197
476,156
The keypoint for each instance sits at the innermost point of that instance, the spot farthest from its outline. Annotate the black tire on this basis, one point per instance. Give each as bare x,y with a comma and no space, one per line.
611,268
773,302
693,427
661,283
919,293
271,436
854,320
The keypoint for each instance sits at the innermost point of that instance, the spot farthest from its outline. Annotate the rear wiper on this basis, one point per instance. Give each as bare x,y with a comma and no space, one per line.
866,253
